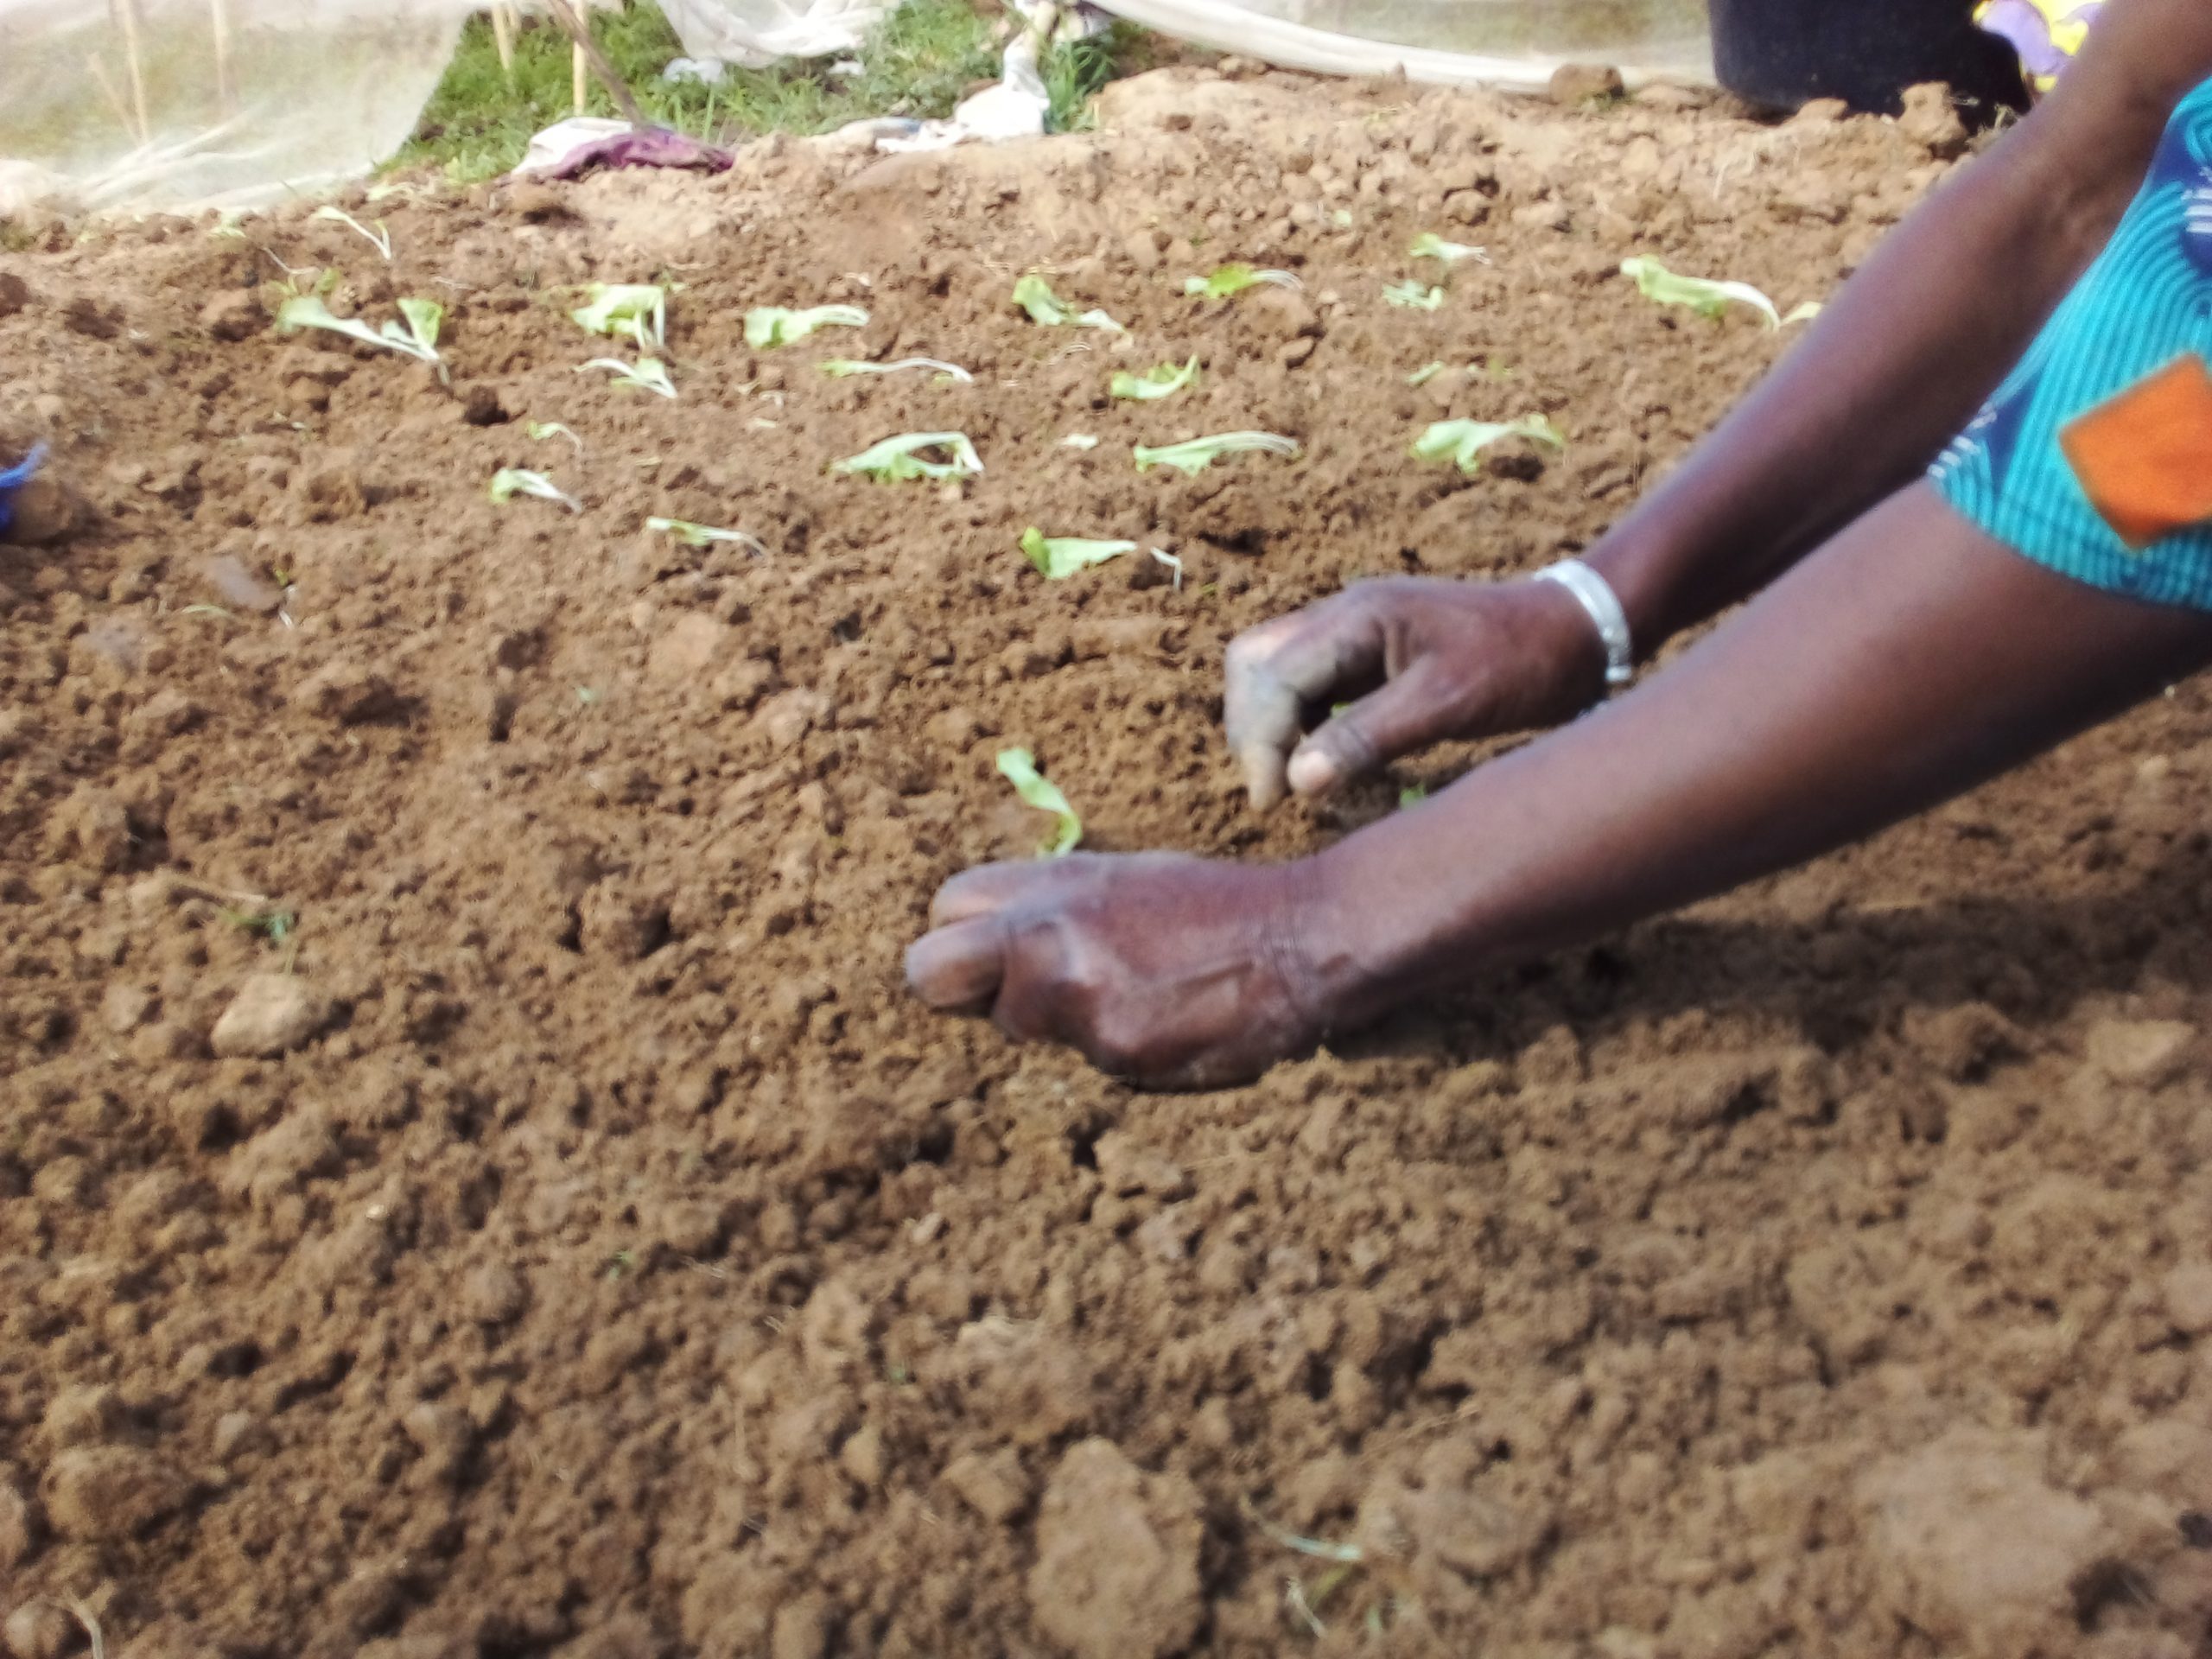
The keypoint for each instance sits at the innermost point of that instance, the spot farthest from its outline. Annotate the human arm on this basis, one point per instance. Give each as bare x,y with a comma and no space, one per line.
1906,352
1909,659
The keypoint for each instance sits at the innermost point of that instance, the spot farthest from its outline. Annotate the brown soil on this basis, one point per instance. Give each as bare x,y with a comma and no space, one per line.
576,1243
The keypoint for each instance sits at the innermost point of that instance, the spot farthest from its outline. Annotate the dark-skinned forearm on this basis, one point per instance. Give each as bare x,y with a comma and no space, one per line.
1899,362
1908,660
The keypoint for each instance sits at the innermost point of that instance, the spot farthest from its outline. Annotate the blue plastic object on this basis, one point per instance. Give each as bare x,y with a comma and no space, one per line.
13,478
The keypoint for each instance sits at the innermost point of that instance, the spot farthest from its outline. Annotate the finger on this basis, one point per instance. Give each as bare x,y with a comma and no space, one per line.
1410,713
985,888
1275,672
958,970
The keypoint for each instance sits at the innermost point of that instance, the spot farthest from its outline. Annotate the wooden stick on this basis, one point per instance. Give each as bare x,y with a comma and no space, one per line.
136,58
227,92
107,85
579,76
503,36
566,14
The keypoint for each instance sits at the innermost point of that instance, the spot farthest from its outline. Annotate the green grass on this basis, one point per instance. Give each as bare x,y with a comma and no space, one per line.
919,62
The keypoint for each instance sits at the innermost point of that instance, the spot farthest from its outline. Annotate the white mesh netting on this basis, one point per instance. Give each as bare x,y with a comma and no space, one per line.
140,105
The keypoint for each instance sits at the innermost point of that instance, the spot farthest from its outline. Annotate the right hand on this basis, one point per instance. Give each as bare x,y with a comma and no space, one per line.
1457,659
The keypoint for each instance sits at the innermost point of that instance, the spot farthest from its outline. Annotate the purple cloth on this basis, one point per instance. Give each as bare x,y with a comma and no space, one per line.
656,147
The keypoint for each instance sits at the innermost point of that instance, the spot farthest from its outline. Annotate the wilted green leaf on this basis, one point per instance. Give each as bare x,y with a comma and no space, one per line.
1465,440
1707,299
1193,455
693,534
511,481
1035,294
900,458
419,339
1018,767
646,374
1411,295
1163,381
635,311
769,326
838,368
1234,278
1429,245
1058,556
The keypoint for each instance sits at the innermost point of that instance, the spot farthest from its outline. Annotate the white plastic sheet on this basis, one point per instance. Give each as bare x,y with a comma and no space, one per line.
756,33
1509,43
174,104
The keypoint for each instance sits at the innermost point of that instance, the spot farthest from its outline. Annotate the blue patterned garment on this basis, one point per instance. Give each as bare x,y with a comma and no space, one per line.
13,478
2145,302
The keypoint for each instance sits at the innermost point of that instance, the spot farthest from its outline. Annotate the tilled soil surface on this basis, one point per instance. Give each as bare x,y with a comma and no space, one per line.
472,1183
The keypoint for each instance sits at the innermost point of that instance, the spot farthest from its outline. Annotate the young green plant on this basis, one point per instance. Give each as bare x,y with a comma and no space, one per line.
511,481
1411,295
1464,442
767,327
1429,245
632,311
646,374
1709,299
838,368
380,238
1193,455
1057,557
1018,767
900,458
693,534
1035,294
1233,278
1163,380
541,430
419,339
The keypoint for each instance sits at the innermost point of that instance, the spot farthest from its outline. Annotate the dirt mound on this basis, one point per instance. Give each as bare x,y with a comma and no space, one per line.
470,1182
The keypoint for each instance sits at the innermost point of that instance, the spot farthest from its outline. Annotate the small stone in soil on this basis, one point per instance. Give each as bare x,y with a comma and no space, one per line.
39,1629
1579,83
272,1014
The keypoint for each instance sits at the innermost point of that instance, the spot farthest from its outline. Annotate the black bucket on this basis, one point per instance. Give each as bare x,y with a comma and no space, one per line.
1784,53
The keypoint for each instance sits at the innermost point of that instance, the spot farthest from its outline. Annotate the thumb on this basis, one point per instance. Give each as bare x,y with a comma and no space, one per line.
1408,713
957,970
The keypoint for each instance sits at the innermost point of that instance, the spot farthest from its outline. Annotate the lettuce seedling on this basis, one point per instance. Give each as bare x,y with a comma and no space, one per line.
635,311
380,238
646,374
767,327
693,534
1174,564
1018,767
1193,455
838,367
1164,380
1462,441
1234,278
1035,294
511,481
1427,372
1429,245
419,339
1410,295
541,430
900,458
1707,299
1060,556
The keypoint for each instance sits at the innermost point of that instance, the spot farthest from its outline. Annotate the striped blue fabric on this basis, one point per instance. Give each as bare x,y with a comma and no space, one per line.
2145,301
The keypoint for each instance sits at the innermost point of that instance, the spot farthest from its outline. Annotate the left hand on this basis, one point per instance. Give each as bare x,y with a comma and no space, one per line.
1163,969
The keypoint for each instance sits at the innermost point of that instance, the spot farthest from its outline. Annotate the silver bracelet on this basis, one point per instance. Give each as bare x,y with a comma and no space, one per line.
1596,596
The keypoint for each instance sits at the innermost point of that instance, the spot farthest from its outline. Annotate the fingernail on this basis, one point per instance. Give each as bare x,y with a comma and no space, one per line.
1312,772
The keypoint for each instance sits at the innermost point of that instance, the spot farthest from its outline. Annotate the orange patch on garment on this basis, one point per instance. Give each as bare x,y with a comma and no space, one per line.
2145,458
